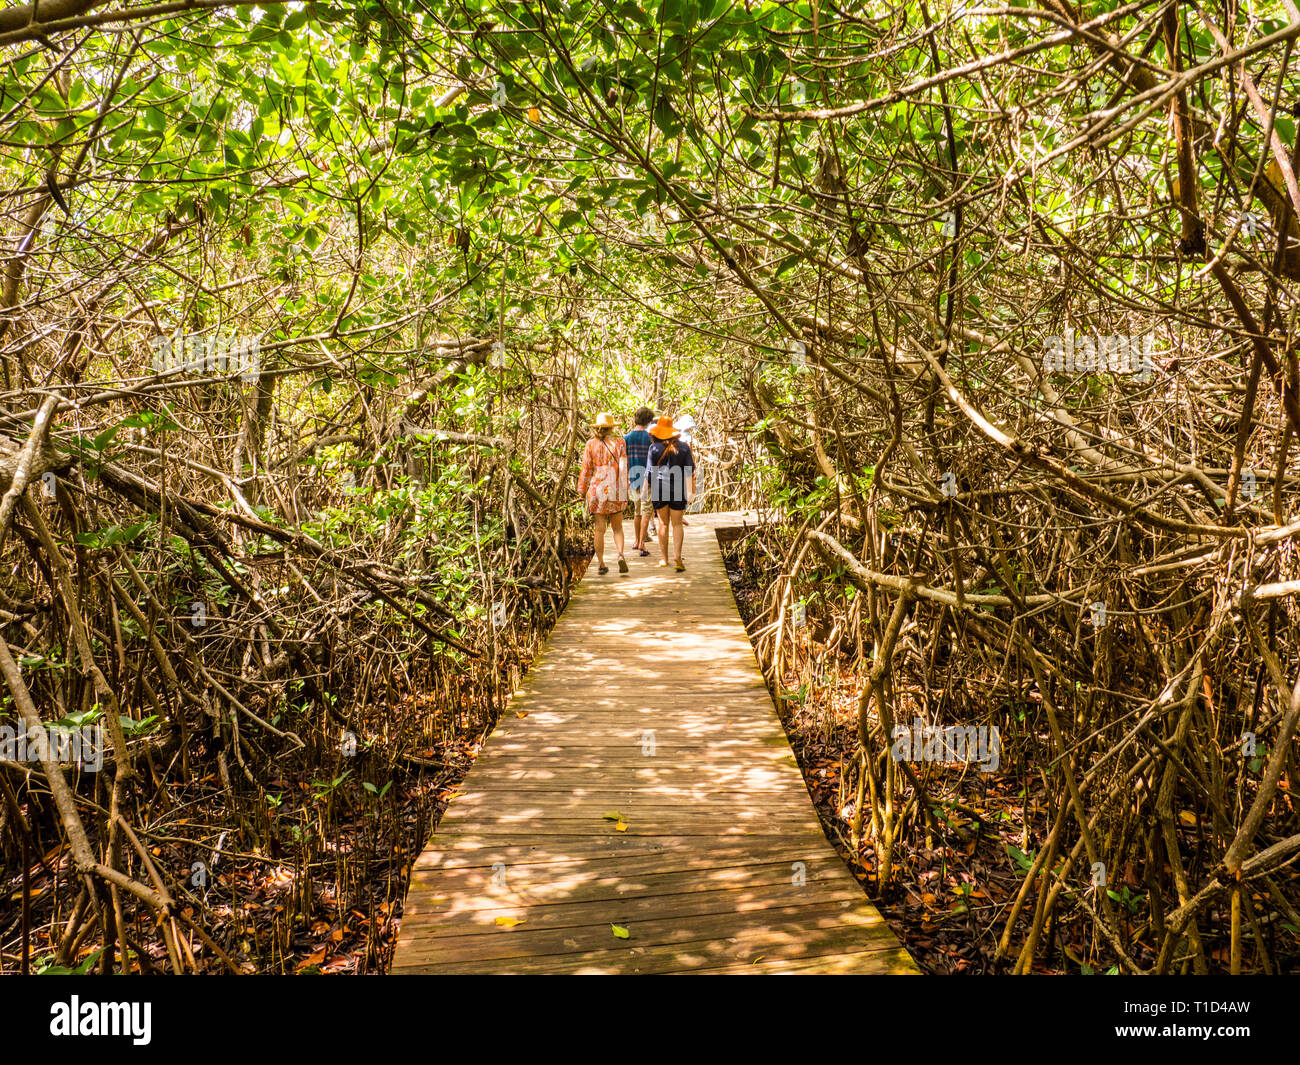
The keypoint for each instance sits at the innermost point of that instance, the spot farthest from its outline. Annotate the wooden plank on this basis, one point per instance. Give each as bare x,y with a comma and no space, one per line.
502,773
594,806
685,788
632,771
651,735
708,705
659,684
641,718
567,795
542,825
586,765
618,747
628,749
644,715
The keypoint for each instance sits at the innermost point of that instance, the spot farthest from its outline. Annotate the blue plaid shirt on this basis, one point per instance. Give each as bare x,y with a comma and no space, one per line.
638,454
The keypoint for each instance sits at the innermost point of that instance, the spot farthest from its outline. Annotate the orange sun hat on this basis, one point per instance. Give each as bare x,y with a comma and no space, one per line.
664,430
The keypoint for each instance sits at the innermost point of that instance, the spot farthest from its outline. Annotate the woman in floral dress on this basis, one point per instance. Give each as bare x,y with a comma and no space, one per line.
603,486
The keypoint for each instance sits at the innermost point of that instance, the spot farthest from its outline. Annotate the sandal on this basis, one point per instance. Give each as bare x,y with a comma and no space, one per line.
603,570
645,553
663,562
681,566
622,565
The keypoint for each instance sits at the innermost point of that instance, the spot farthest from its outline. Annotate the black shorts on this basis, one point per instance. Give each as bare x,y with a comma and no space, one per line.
667,492
668,488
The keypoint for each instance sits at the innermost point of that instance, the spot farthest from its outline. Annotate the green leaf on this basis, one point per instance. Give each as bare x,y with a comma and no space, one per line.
80,970
132,727
80,719
619,931
665,118
104,439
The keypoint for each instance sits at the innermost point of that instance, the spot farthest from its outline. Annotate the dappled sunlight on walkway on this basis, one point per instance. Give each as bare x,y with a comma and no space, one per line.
639,809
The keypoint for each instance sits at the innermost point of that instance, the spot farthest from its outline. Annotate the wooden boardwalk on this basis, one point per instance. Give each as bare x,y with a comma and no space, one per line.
640,779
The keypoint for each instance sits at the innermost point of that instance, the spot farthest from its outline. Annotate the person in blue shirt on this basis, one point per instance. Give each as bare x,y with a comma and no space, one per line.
638,443
672,483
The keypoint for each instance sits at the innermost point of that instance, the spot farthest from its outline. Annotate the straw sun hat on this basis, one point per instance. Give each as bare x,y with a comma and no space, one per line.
604,420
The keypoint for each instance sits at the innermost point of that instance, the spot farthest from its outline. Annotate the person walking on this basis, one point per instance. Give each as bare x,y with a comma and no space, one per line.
638,443
672,482
602,483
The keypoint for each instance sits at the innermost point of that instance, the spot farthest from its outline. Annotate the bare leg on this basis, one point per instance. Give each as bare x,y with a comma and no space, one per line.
662,515
616,523
679,535
599,536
